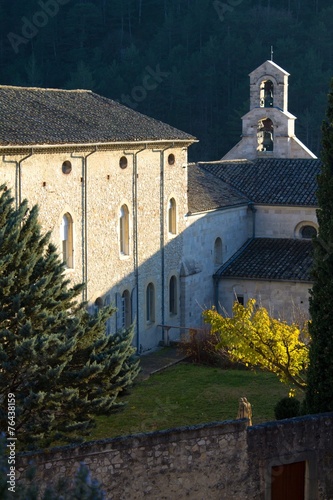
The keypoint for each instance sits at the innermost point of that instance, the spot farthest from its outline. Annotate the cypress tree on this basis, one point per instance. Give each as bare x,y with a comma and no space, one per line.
319,397
55,358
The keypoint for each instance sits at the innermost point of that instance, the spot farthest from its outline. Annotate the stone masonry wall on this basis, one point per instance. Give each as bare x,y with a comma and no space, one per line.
201,462
283,222
93,193
223,460
288,300
233,226
280,443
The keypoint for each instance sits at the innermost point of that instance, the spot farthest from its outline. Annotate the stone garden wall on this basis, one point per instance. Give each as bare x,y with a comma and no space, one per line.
223,460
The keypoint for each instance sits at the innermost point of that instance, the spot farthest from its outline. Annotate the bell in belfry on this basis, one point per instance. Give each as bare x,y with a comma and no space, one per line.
268,141
268,98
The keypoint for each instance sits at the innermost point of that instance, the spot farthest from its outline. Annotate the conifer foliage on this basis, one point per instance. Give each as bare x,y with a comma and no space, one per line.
319,396
54,357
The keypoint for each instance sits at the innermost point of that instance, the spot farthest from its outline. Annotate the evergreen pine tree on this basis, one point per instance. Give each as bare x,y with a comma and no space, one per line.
319,397
55,358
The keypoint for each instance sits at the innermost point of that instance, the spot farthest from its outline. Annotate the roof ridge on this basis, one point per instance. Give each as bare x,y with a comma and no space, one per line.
240,160
18,87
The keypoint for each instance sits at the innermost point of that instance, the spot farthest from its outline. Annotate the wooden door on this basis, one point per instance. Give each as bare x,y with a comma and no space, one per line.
288,481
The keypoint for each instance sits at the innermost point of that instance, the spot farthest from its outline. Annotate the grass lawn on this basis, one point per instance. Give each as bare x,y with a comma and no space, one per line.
188,394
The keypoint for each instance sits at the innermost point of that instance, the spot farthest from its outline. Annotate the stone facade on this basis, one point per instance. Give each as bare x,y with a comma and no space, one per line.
223,460
233,227
93,193
286,300
283,221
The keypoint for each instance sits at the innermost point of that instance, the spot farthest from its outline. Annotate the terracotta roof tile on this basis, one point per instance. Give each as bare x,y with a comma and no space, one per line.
271,259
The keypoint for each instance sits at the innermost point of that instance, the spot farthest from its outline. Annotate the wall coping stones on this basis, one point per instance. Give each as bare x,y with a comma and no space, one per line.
89,448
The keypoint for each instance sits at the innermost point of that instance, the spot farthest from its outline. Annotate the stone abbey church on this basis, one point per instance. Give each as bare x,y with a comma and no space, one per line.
160,238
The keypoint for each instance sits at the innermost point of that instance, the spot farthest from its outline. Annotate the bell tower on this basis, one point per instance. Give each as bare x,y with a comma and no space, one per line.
268,129
269,87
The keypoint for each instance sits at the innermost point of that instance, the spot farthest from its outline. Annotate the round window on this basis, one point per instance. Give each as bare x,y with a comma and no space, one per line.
171,159
308,232
123,162
66,167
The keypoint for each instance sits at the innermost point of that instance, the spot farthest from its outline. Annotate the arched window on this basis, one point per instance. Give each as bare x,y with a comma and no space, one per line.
124,230
150,303
173,296
172,216
66,235
99,303
266,94
218,252
265,135
126,317
308,232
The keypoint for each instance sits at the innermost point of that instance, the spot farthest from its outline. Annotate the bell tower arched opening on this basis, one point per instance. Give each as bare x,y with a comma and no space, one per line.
266,94
265,135
268,129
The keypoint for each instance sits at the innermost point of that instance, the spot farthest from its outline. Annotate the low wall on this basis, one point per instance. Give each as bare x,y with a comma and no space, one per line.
223,460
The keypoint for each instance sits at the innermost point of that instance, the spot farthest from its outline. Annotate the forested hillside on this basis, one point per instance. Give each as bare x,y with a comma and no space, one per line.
185,62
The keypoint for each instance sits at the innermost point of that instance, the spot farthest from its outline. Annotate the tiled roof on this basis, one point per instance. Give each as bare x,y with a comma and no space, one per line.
34,116
271,259
270,181
206,192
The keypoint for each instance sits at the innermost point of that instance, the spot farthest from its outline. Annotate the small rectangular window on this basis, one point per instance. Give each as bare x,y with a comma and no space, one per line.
173,296
150,303
240,299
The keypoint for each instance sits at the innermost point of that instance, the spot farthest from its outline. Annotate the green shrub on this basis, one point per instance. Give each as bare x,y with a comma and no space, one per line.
287,408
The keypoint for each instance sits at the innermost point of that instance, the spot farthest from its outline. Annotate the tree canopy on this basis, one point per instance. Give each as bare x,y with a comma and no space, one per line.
203,46
56,360
251,336
319,397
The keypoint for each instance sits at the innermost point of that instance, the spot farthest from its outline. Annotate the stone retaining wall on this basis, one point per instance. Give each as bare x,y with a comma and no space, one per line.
223,460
